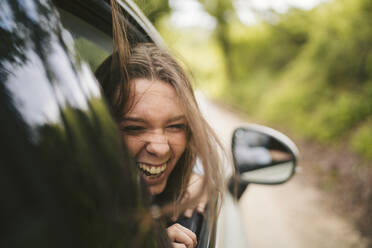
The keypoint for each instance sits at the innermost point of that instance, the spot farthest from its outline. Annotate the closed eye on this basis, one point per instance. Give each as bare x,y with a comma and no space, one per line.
132,129
177,127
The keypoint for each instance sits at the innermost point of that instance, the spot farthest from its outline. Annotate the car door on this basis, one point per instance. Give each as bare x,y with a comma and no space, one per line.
66,180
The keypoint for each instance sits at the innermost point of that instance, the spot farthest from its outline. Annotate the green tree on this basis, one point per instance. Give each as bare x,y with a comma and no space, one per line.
154,9
223,12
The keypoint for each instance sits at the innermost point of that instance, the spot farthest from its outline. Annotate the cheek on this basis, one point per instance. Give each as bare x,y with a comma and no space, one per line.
179,143
133,144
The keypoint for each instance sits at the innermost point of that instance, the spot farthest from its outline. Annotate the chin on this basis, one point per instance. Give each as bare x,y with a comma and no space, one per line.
157,189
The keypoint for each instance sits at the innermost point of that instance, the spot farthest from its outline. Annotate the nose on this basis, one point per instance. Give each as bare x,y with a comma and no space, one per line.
158,145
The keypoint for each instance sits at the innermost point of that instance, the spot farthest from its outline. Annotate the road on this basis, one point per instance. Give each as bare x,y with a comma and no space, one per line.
292,215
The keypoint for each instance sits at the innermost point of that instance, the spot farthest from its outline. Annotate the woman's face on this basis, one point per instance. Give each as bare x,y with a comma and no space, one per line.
155,131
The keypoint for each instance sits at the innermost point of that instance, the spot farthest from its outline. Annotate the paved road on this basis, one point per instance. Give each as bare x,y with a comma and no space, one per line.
292,215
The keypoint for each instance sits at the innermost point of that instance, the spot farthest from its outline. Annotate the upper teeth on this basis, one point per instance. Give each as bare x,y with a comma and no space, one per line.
152,169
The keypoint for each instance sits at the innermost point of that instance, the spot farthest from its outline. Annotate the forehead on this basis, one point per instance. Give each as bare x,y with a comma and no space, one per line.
152,88
155,97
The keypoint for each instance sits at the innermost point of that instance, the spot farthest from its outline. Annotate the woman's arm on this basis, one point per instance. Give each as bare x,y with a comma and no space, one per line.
194,189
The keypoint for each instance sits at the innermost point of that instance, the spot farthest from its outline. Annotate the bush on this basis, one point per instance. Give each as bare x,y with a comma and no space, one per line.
362,139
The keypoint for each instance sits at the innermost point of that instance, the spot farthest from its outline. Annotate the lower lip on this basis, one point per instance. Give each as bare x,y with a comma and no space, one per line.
155,180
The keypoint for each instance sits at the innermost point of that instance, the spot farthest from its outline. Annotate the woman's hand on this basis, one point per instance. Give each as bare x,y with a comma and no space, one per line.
194,189
181,237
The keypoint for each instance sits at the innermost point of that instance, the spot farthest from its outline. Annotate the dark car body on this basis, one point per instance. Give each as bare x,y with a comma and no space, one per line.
66,180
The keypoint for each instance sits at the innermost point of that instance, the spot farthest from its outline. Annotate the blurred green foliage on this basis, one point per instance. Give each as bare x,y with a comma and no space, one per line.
362,139
200,54
154,9
90,52
317,67
223,12
310,71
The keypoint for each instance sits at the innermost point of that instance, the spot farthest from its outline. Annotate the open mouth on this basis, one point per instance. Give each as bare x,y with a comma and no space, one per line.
151,170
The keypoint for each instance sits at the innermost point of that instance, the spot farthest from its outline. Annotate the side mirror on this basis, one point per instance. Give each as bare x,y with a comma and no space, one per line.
263,156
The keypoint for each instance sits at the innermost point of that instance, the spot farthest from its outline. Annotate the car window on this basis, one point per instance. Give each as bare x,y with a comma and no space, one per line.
91,44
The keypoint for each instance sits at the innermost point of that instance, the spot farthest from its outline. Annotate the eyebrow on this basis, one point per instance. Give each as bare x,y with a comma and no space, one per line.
177,118
135,119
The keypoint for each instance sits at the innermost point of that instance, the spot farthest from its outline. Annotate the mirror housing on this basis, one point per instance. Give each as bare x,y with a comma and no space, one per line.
261,155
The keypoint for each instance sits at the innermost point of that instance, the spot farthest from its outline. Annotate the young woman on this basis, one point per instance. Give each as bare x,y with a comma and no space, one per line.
160,122
153,103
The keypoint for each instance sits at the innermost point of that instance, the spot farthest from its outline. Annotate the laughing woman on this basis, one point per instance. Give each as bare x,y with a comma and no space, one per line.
153,103
156,111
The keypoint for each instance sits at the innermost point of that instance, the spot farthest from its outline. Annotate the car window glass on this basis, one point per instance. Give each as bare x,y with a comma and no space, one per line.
91,44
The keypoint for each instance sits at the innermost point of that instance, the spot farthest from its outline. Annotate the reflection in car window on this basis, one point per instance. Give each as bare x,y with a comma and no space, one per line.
91,44
90,52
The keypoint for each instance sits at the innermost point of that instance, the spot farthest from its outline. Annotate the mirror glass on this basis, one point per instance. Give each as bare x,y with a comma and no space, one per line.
261,157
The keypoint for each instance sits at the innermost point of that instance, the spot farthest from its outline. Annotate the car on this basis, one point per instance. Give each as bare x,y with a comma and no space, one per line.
63,182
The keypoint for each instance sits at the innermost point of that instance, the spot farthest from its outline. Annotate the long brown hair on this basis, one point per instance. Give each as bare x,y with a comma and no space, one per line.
148,61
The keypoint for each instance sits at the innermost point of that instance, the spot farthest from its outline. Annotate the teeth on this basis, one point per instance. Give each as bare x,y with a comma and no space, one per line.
153,170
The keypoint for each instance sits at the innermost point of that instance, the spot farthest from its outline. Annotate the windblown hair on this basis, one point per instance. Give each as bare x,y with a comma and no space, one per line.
147,61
